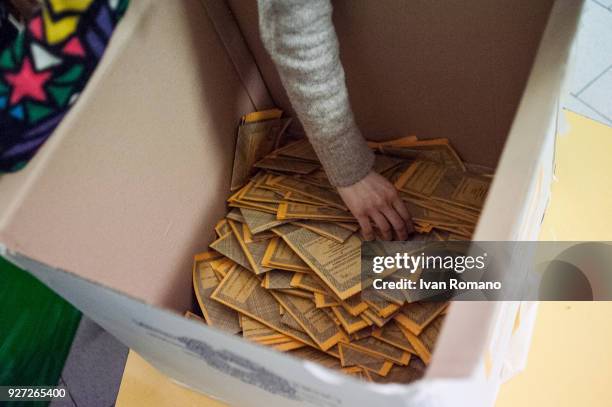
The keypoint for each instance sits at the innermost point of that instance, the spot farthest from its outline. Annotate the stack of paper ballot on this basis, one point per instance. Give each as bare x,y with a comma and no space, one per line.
285,270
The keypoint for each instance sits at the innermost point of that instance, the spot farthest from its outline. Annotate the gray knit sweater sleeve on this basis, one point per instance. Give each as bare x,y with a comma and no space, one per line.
300,37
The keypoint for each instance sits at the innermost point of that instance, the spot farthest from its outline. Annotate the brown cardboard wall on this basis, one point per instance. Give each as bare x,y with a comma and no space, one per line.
451,68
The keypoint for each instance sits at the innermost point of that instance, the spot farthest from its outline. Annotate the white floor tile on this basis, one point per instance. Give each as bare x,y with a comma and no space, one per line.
590,91
604,3
599,94
594,46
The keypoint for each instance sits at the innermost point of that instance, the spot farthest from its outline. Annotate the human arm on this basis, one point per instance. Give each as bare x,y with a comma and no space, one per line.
302,41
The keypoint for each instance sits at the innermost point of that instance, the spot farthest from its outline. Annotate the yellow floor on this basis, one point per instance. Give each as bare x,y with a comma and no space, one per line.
570,360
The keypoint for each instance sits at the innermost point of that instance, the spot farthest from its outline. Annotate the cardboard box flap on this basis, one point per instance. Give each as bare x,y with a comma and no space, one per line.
133,180
211,361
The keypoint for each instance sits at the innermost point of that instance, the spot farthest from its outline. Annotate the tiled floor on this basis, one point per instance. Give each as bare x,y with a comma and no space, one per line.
591,80
95,365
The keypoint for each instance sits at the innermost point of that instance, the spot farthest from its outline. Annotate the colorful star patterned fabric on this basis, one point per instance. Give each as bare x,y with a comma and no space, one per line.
45,67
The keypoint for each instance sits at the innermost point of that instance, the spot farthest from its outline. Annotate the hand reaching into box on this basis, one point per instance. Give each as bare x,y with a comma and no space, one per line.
375,201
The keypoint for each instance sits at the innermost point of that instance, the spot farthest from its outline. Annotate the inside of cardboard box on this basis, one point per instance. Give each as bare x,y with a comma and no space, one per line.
436,70
475,89
286,205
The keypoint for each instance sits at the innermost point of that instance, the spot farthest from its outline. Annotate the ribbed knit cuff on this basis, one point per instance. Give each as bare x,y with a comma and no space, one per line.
346,159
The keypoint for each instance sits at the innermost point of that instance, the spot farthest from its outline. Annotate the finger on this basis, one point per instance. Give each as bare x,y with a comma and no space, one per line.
400,207
366,227
396,221
382,224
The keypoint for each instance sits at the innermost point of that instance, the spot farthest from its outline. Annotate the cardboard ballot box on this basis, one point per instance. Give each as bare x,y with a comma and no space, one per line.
111,211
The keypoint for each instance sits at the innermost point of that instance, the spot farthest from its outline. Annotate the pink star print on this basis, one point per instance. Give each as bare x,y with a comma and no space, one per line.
27,83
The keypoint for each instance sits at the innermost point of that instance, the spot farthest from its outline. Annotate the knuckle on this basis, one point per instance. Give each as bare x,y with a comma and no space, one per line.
371,212
379,203
360,210
391,193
